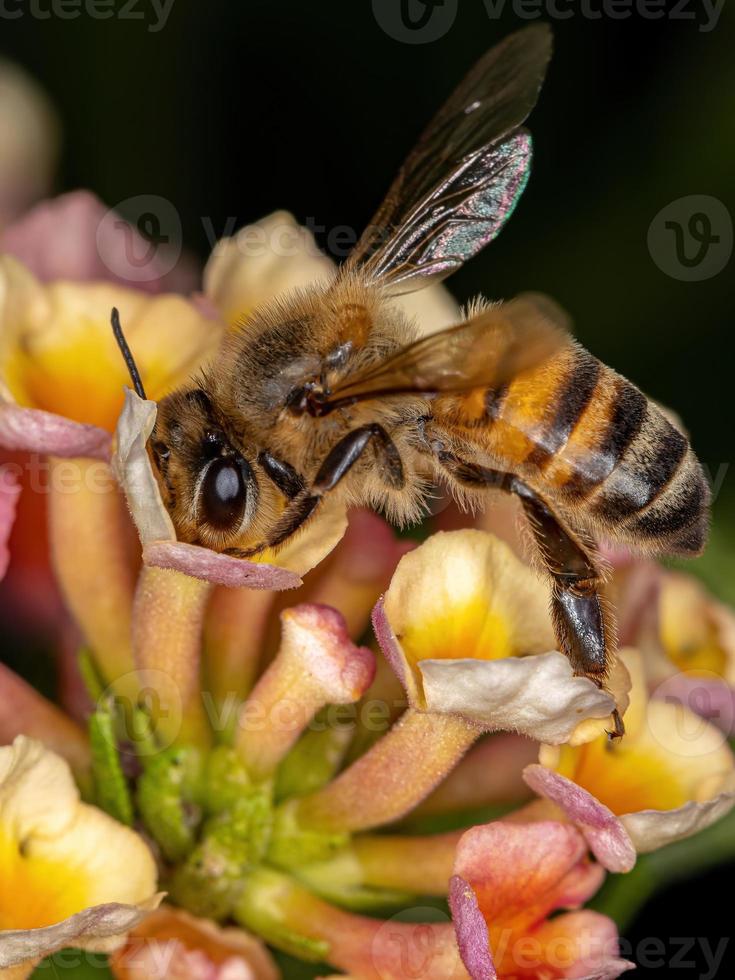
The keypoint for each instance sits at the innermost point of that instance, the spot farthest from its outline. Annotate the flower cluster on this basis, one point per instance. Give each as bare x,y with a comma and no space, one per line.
235,772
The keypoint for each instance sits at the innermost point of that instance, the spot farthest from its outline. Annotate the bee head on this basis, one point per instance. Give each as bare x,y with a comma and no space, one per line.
207,485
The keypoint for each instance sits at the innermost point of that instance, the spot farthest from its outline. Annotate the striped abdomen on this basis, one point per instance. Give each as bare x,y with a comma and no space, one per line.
596,447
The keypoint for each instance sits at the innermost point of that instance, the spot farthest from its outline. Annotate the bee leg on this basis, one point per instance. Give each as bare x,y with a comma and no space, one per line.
578,612
336,465
342,457
582,623
285,477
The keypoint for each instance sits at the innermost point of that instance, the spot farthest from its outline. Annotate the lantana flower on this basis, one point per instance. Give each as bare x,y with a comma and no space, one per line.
235,726
466,626
62,377
279,807
672,775
70,874
686,636
507,933
170,944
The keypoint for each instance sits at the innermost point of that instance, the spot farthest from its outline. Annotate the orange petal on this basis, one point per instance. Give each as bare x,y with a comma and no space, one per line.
522,872
170,944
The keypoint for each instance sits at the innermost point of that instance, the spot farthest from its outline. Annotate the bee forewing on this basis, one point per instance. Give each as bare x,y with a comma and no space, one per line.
461,182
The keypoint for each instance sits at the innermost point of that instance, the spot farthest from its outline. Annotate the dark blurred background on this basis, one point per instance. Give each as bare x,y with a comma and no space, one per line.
231,110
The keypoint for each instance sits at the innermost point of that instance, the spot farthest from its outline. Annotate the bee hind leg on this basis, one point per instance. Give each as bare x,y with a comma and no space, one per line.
583,624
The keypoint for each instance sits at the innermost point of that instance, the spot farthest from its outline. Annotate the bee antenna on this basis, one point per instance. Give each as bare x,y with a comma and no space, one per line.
126,353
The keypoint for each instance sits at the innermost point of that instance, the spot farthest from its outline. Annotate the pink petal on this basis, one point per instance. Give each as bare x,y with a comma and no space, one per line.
76,237
607,837
387,640
9,492
471,930
23,711
638,594
319,639
549,857
35,431
591,938
212,566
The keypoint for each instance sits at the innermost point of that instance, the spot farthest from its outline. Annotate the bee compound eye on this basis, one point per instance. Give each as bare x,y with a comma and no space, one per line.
224,493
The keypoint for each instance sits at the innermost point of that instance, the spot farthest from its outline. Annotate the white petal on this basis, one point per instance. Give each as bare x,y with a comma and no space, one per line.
101,928
133,471
651,829
538,696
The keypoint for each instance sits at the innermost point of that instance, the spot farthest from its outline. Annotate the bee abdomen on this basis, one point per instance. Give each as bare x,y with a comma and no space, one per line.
656,494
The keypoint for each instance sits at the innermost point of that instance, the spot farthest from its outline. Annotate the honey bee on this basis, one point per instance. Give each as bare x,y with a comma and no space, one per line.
333,391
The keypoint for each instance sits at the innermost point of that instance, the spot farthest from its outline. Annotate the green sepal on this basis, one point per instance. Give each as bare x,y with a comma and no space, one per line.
314,760
292,845
93,681
169,799
110,787
232,843
226,780
356,898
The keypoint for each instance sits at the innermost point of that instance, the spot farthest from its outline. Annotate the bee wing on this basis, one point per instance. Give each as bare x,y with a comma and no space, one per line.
488,350
462,181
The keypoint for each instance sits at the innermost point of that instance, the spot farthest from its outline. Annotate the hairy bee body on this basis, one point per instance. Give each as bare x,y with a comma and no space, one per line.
334,394
337,332
596,449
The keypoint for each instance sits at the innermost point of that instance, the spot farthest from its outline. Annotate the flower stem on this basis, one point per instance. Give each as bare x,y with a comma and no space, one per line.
294,920
93,559
421,864
167,627
234,632
392,777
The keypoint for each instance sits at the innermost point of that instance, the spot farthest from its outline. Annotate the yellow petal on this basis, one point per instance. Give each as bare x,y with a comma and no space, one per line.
618,685
668,757
260,262
464,594
58,855
57,351
697,632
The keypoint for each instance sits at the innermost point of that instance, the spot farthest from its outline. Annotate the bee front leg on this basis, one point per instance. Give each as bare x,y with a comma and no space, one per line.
336,465
582,623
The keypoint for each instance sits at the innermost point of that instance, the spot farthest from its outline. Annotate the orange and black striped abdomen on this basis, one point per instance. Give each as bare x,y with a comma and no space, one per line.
594,445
